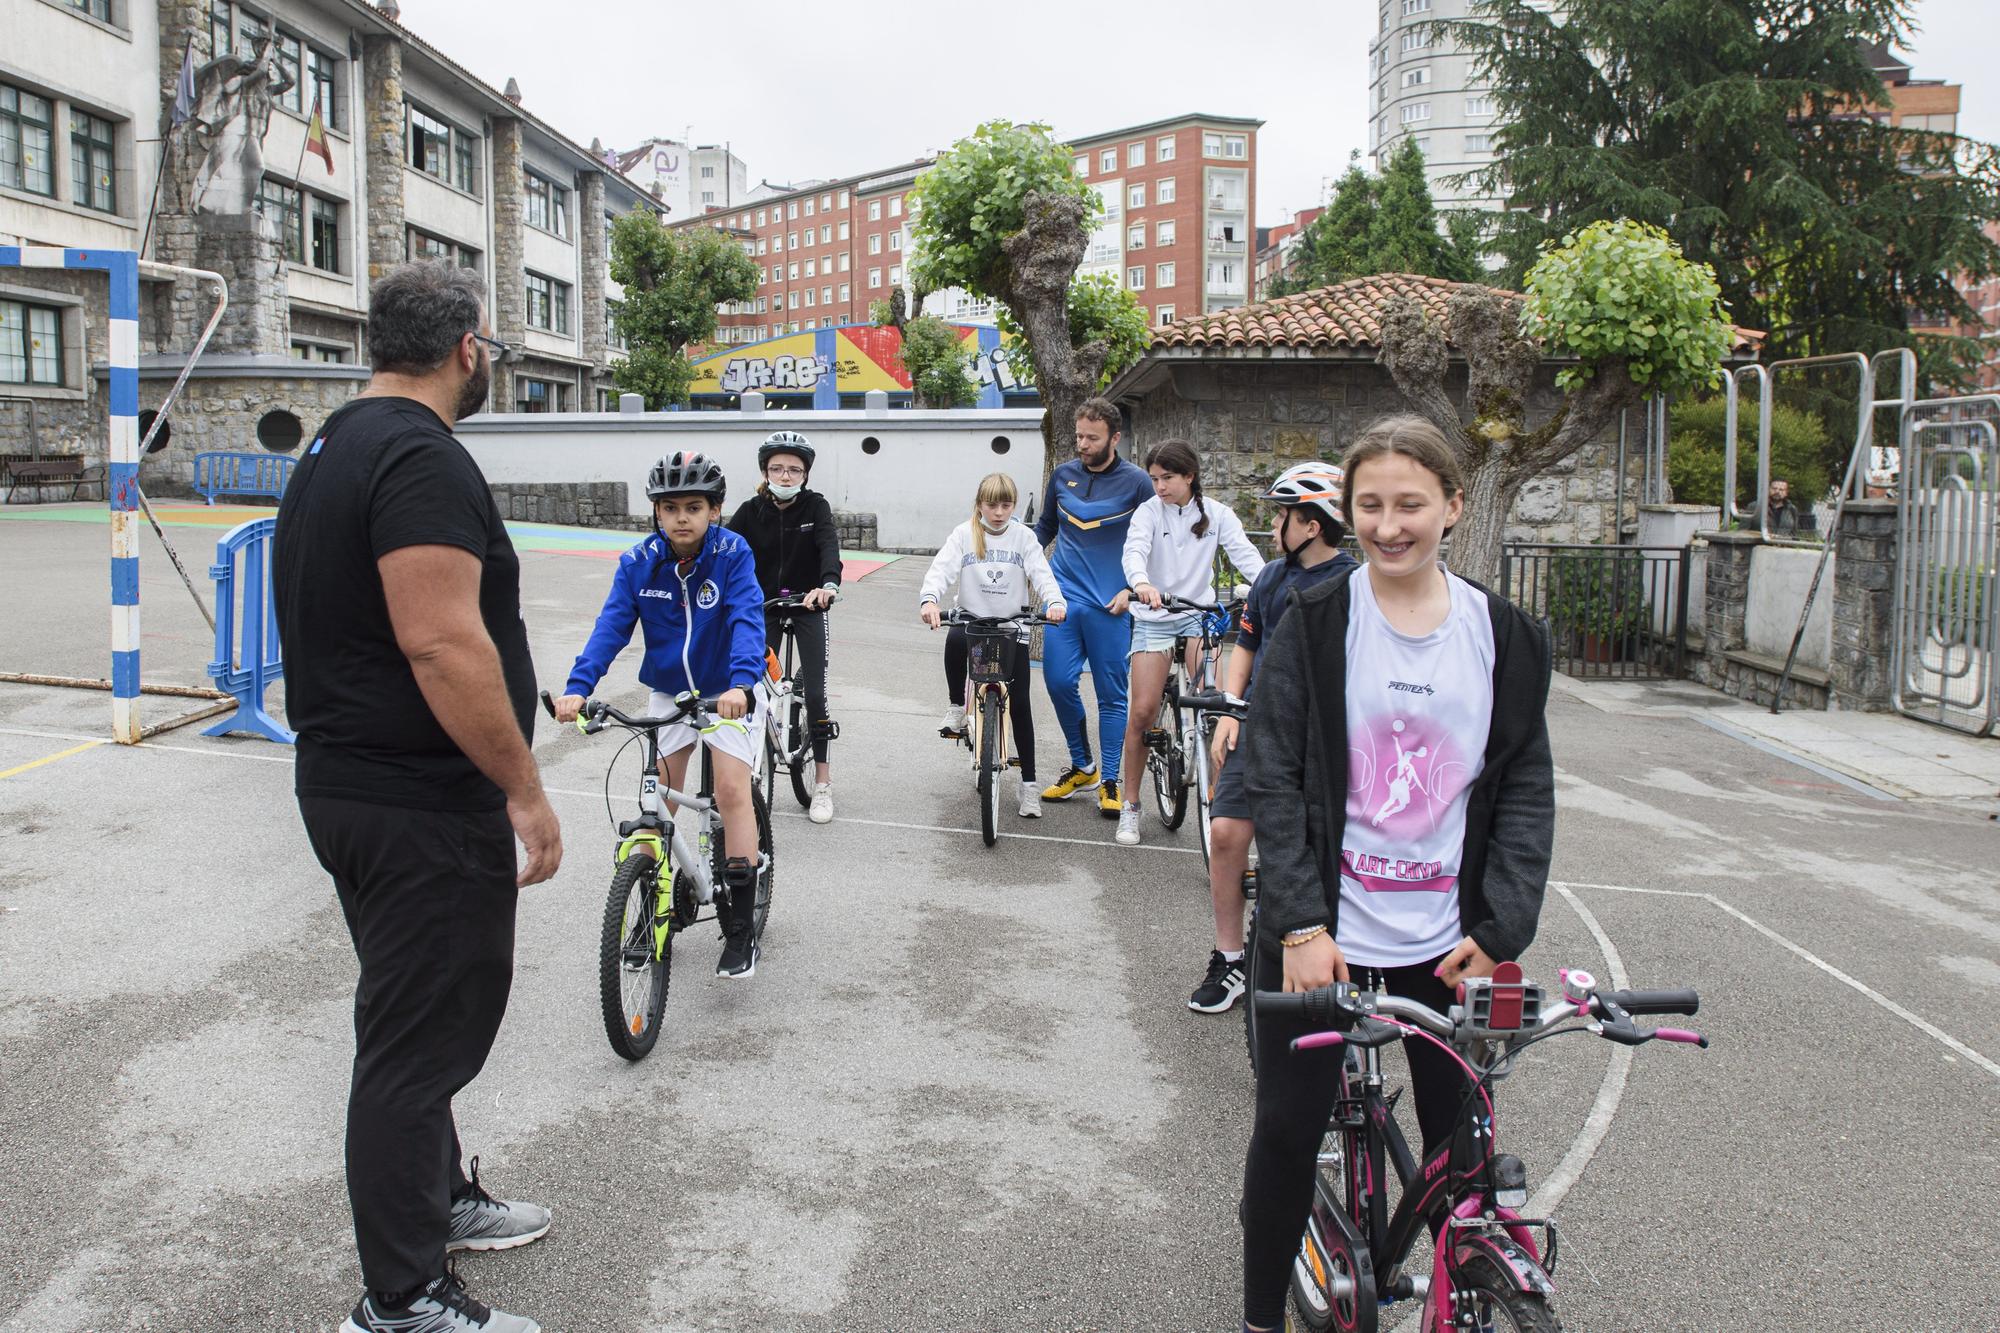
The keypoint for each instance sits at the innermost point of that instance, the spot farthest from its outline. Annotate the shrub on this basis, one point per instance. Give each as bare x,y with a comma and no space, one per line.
1694,452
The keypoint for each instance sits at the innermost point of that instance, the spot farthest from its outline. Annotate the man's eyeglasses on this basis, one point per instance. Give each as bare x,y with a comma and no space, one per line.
499,351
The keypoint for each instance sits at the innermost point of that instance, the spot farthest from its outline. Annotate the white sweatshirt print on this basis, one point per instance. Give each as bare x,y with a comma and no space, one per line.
1161,549
1014,574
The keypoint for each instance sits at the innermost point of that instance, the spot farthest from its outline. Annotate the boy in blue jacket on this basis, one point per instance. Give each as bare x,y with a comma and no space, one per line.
692,587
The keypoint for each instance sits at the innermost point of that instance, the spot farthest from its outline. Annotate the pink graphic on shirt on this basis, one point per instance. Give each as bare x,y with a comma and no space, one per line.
1402,778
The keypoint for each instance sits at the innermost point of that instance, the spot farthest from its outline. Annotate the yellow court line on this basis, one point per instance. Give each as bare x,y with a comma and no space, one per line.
50,759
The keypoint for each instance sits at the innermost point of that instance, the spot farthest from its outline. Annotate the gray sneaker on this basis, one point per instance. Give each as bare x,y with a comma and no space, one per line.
441,1307
481,1222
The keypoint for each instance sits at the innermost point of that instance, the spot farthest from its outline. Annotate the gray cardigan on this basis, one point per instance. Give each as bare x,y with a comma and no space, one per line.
1296,777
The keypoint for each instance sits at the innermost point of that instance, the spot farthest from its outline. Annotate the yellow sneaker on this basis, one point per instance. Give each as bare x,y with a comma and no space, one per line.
1072,781
1108,803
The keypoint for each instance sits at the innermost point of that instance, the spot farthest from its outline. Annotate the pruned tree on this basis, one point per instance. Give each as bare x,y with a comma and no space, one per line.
1619,297
1002,215
673,280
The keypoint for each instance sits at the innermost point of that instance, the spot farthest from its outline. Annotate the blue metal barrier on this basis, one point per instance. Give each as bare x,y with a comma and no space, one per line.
248,656
242,474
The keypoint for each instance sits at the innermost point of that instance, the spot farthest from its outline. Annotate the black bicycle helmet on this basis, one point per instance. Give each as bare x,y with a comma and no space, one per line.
785,442
687,473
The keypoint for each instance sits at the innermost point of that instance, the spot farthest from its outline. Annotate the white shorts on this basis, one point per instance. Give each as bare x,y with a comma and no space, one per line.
741,739
1157,636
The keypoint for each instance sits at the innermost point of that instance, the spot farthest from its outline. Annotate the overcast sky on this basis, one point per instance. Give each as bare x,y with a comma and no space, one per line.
811,90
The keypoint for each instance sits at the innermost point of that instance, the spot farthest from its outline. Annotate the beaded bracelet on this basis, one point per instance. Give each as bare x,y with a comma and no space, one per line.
1293,939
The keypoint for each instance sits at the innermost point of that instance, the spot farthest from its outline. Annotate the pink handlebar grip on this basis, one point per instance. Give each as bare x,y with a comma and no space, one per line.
1681,1035
1312,1041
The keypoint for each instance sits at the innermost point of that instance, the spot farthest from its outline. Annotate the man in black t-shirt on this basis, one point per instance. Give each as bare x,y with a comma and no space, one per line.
408,681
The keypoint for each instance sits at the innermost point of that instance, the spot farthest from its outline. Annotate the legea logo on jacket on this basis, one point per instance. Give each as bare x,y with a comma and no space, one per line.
656,592
707,595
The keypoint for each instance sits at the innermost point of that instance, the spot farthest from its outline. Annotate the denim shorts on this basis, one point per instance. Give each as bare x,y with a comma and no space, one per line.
1157,636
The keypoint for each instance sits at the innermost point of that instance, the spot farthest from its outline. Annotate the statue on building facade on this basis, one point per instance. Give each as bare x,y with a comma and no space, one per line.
233,101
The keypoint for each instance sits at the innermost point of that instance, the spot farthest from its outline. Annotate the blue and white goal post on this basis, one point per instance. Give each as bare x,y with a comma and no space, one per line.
121,474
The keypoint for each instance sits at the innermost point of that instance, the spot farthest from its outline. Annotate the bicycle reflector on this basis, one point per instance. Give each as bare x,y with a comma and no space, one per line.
771,667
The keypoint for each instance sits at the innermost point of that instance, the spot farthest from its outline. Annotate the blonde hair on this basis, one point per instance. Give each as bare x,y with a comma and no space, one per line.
994,488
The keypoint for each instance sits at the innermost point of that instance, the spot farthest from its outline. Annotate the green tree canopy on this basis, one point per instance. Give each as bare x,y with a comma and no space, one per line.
939,363
1741,127
1382,224
1100,311
1696,436
673,280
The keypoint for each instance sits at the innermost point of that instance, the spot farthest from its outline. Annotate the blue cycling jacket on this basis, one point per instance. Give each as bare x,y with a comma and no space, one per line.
1086,514
704,623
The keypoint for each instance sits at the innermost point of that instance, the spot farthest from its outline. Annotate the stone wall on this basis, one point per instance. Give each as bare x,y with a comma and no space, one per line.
1865,554
382,132
1250,420
510,293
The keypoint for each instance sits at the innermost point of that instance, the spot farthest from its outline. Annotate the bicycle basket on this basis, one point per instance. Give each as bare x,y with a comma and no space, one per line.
986,656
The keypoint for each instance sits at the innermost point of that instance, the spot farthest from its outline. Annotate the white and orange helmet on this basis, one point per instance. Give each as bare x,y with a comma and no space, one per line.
1320,485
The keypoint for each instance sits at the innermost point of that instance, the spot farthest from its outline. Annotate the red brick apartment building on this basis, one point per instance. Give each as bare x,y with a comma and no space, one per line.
1179,196
1274,249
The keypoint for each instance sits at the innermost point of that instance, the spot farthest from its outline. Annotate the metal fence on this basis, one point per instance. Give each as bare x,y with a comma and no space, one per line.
1947,617
1618,612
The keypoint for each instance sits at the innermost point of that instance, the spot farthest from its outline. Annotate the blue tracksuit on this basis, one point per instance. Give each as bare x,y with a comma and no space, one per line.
1086,514
717,645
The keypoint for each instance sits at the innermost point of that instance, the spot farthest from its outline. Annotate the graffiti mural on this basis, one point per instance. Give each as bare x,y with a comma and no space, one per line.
852,359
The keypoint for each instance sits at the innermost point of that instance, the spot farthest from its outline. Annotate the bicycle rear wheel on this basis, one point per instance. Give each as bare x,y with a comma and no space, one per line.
801,756
1168,764
991,759
633,970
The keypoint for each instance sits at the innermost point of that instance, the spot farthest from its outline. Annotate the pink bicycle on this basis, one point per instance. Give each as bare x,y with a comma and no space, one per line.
1485,1270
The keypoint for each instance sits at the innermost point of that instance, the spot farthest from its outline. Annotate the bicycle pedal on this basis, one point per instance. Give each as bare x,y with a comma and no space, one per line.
1156,737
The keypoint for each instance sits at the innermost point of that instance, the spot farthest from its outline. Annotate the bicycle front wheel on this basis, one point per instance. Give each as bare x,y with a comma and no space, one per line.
992,758
1498,1304
1168,765
635,957
801,756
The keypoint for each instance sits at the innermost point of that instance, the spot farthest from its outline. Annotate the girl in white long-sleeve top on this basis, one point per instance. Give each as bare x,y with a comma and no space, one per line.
1169,552
993,566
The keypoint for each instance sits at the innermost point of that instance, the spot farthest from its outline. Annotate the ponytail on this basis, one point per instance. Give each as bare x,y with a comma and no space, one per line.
978,534
1201,524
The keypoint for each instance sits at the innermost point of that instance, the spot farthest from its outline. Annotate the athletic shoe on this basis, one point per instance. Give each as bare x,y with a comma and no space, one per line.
1221,988
481,1222
1128,826
1031,801
1072,781
441,1307
1108,803
739,956
955,720
822,806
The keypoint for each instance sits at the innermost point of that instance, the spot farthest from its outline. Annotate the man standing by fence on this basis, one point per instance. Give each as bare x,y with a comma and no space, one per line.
1089,505
408,680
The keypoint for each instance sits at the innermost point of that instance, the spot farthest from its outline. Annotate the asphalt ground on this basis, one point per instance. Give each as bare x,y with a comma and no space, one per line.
962,1090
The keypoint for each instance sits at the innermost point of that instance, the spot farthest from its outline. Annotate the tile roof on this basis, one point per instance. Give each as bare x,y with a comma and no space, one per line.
1347,315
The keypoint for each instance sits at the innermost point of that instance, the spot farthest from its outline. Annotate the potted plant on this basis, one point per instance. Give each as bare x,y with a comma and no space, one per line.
1597,603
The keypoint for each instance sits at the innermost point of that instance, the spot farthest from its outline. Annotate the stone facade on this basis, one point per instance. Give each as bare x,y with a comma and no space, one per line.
382,138
510,265
1249,420
1865,555
1725,661
596,259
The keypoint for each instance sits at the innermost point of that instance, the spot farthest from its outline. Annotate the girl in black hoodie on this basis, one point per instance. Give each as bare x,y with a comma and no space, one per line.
1398,771
791,533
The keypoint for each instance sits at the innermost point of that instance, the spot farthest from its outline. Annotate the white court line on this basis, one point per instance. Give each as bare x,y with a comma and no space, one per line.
285,758
1922,1025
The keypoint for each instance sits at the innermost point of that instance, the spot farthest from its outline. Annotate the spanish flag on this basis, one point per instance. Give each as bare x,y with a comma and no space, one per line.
316,143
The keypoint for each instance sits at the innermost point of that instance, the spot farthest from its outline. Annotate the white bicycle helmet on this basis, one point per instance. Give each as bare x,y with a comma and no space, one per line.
1317,485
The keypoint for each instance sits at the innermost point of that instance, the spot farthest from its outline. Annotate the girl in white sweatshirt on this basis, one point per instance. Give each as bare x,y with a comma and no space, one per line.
993,566
1169,552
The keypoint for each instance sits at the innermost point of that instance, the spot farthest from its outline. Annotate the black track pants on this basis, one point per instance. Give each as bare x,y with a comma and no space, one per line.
815,649
429,899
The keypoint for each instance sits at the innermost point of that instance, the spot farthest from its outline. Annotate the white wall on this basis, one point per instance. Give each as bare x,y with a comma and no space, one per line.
918,484
1779,577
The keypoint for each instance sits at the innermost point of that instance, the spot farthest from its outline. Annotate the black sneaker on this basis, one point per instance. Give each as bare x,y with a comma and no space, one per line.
739,956
441,1307
1221,988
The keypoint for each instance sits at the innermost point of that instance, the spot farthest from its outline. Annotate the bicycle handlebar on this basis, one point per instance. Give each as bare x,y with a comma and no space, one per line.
958,616
596,714
790,601
1170,602
1214,701
1343,1005
1654,1001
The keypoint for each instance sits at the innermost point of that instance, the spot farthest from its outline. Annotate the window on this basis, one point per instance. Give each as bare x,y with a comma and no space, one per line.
1423,143
1417,39
843,199
792,211
809,291
612,337
760,305
874,277
1224,275
792,240
843,261
1163,191
826,203
1135,154
875,243
1135,278
538,395
1416,78
322,81
1163,315
1164,233
762,245
1135,236
1416,7
1478,143
826,296
793,272
809,208
286,51
1481,105
874,210
895,274
91,172
1082,165
760,217
1415,111
548,205
97,9
846,293
281,203
895,240
896,207
778,301
333,356
1163,149
708,197
843,230
440,149
31,346
1135,196
323,220
548,304
826,234
778,243
423,245
812,268
27,139
1163,275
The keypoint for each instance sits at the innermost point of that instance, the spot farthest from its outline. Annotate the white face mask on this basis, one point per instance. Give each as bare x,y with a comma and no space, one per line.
785,492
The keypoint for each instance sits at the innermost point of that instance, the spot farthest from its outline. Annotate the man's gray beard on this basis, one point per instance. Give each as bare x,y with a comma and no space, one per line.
472,394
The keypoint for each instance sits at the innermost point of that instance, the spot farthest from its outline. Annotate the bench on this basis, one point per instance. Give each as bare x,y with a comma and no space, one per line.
242,474
43,473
